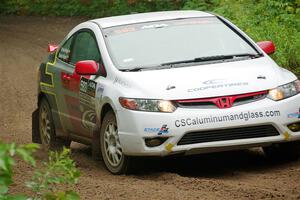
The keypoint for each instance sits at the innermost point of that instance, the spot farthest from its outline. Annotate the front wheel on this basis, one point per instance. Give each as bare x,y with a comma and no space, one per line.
115,161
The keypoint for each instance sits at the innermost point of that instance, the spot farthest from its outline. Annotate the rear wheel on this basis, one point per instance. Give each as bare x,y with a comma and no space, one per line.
115,161
47,129
289,150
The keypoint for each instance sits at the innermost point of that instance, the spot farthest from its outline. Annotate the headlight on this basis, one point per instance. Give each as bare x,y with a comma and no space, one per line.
149,105
285,91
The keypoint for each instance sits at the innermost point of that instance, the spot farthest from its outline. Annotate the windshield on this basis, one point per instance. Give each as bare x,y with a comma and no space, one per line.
153,44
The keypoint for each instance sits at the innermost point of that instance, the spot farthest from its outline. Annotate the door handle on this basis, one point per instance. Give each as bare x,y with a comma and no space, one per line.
66,78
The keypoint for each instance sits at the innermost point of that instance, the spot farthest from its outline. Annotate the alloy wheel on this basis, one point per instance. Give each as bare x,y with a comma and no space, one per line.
112,145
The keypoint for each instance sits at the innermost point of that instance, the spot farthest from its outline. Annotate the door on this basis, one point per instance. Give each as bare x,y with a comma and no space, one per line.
76,94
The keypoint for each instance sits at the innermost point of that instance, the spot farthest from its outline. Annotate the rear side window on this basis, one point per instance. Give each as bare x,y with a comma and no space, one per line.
85,48
65,51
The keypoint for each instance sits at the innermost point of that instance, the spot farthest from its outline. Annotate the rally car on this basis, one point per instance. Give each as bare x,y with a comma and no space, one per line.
164,83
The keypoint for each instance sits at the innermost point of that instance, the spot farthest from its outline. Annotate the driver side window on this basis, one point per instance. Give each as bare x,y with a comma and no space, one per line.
85,48
65,51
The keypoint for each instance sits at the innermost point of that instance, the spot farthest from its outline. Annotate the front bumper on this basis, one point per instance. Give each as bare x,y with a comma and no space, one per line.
135,126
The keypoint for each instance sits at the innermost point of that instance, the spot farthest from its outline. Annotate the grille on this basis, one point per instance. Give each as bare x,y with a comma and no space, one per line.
228,134
213,102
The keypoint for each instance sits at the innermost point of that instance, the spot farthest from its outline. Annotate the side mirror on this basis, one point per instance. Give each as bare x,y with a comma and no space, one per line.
52,48
86,67
267,46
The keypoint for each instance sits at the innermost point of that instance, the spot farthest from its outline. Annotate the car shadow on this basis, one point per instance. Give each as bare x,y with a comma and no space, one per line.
210,165
213,164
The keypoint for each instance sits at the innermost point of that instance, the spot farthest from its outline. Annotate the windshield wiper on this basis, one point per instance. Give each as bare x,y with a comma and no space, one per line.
249,55
135,69
140,68
195,60
213,58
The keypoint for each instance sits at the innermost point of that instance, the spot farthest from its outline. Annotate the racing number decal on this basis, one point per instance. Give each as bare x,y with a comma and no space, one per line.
87,102
88,87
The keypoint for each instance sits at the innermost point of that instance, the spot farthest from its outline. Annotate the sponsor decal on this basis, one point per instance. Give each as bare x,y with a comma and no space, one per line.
261,77
147,26
88,87
163,130
170,87
87,93
64,54
214,81
88,119
100,90
121,82
154,26
243,116
151,130
125,30
160,131
294,115
216,84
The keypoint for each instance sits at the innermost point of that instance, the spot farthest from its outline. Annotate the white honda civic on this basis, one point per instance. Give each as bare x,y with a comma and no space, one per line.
163,83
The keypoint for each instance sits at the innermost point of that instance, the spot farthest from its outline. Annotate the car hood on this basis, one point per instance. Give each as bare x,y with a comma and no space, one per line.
201,81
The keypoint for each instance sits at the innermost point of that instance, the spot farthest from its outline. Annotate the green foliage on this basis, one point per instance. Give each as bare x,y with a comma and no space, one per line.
200,5
59,171
7,154
91,8
276,20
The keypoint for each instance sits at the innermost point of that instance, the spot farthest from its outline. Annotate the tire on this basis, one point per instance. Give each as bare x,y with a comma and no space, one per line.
114,159
283,151
48,137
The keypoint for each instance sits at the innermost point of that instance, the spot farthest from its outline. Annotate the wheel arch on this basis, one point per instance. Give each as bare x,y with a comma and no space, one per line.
105,109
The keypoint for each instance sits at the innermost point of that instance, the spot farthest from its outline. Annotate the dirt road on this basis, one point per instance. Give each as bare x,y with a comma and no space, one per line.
231,175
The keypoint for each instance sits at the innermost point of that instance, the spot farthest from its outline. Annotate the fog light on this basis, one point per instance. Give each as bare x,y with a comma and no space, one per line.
295,127
154,142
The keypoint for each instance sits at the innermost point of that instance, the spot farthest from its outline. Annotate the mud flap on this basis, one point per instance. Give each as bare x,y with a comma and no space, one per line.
35,127
96,154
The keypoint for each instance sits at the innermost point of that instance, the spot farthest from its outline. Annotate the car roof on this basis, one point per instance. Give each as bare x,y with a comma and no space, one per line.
147,17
